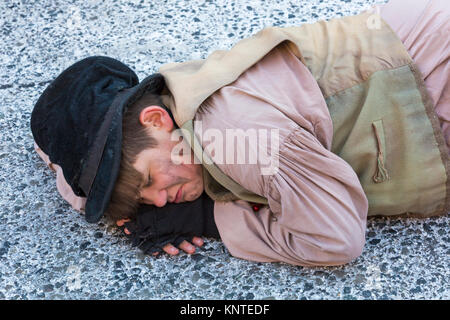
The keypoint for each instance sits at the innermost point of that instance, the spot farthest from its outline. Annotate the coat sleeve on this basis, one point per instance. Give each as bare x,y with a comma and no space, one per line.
316,214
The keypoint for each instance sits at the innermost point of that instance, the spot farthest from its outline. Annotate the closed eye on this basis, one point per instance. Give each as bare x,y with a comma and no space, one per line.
149,182
145,201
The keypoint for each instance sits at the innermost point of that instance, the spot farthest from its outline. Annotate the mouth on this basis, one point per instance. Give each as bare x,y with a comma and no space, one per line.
179,195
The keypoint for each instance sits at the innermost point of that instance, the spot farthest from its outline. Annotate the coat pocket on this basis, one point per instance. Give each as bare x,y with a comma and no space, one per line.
381,173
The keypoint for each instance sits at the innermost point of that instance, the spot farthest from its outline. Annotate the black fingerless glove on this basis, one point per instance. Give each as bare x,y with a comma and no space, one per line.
154,227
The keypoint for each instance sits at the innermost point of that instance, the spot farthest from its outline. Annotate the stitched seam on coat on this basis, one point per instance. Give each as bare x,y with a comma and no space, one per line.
438,134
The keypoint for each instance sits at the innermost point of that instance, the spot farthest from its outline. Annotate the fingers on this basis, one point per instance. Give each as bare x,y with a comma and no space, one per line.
197,241
170,249
185,246
120,223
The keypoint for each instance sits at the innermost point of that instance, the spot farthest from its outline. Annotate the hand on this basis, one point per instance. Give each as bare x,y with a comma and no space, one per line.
157,229
169,248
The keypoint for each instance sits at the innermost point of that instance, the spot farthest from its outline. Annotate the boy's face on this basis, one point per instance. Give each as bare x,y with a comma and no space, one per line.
170,182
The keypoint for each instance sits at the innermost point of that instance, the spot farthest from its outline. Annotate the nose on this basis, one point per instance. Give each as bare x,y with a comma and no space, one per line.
158,198
160,202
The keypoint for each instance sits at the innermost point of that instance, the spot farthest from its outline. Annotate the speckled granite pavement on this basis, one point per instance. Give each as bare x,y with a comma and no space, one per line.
48,251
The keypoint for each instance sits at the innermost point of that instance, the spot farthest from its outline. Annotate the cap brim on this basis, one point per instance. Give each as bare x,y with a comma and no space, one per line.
108,170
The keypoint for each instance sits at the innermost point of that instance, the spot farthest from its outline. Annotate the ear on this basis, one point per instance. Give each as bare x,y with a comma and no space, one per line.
156,117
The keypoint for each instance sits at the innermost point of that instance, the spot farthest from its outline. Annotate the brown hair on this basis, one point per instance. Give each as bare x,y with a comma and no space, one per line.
135,138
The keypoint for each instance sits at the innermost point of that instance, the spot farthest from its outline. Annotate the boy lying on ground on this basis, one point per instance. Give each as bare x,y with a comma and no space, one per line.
358,107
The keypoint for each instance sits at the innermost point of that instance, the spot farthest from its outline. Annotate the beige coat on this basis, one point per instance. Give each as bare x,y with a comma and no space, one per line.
317,208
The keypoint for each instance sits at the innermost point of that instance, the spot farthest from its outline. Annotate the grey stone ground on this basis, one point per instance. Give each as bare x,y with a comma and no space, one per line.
48,251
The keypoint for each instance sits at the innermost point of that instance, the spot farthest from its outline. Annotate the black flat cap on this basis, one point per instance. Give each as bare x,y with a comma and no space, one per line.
77,122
